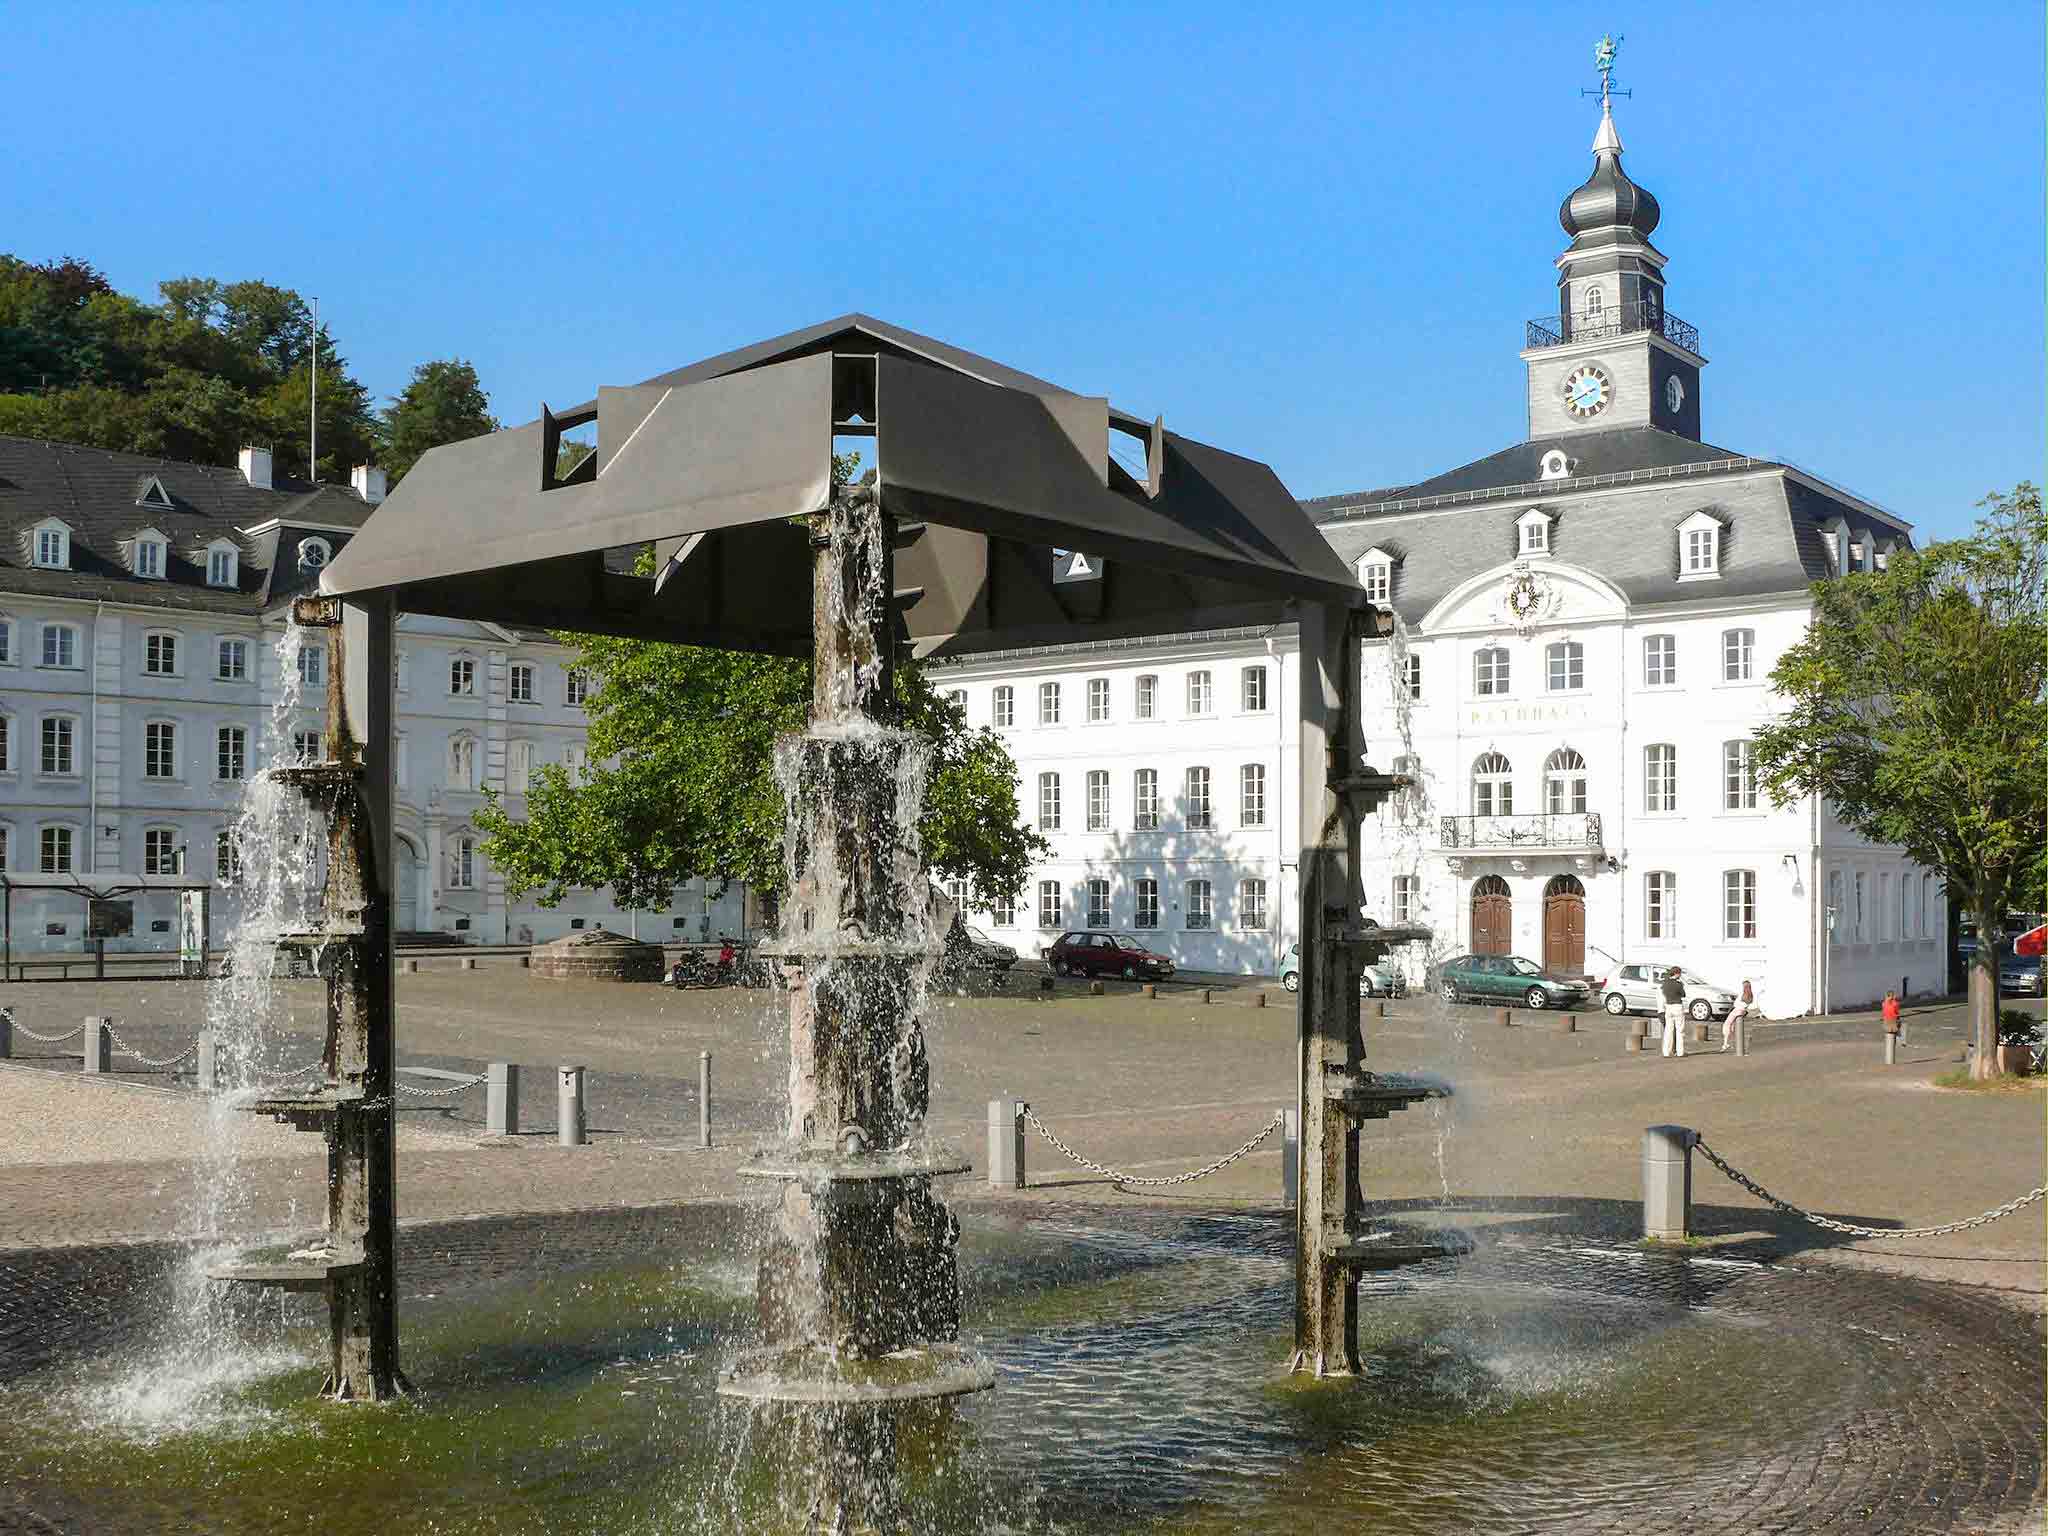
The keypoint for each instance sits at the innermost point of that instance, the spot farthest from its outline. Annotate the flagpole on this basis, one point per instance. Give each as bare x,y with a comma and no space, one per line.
313,410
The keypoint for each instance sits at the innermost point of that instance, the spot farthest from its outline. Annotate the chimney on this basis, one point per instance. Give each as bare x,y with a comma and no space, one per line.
256,468
369,482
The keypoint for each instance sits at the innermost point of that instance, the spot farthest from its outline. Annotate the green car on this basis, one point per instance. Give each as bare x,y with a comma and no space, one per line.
1507,979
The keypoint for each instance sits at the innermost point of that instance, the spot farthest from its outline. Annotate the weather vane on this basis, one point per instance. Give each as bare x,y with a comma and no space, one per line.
1603,61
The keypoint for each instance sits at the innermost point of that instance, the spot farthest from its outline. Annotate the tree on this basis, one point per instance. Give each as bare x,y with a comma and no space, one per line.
1918,708
686,737
444,403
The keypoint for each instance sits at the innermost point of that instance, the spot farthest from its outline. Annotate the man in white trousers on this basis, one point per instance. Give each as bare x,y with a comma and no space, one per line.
1674,1013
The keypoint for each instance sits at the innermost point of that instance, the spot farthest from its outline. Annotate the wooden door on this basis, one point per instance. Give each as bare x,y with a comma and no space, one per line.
1564,927
1493,917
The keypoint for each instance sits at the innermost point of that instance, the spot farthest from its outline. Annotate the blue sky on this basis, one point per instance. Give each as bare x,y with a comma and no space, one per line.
1310,235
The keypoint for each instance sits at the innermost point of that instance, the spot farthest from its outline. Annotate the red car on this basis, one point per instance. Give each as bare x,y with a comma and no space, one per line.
1107,954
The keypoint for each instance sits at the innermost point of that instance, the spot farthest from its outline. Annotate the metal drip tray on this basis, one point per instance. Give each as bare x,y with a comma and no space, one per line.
1375,1095
1396,1248
299,1265
319,775
810,1373
341,932
827,1165
308,1109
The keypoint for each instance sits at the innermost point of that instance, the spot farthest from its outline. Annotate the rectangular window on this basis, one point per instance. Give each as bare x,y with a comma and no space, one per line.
1738,887
462,762
1490,671
312,666
1048,903
1856,917
1402,907
1198,797
1145,909
519,683
1905,906
1738,775
462,864
1048,802
149,558
1378,580
1201,693
1251,904
220,568
307,746
1884,905
160,750
1098,800
1005,912
1660,777
1048,703
1004,709
60,645
6,749
1567,661
1738,648
160,655
575,762
1201,904
519,767
575,686
1411,668
1145,799
227,857
462,677
1926,901
231,752
1660,905
50,547
958,698
1837,919
1251,795
56,850
6,643
1098,903
231,661
1255,690
1145,699
1098,699
160,850
1660,661
1699,551
60,745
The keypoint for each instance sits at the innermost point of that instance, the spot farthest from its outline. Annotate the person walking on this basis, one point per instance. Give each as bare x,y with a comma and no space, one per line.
1743,1005
1674,1013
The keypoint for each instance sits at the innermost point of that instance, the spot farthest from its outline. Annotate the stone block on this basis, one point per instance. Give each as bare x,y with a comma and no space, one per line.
1259,1000
1151,990
1096,989
1565,1023
1505,1017
1632,1043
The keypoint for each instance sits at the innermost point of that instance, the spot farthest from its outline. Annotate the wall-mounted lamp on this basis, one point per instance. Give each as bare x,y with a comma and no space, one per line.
1613,865
1791,862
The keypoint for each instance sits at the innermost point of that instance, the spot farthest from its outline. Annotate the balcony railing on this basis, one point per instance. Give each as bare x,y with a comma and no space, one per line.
1575,832
1621,320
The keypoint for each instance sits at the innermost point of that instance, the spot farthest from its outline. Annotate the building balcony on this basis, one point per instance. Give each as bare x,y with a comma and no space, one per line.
1620,320
1509,837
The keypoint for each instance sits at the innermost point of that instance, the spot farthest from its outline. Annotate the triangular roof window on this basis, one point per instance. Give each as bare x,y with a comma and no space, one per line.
151,493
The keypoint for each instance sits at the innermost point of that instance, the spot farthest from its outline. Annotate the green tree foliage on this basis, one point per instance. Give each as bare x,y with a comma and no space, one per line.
444,403
682,781
1917,705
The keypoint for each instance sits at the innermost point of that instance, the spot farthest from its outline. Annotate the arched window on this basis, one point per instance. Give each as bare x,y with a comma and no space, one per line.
1493,786
313,553
1490,670
1564,783
1595,304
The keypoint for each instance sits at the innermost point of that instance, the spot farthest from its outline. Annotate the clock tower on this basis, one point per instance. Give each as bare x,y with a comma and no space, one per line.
1612,356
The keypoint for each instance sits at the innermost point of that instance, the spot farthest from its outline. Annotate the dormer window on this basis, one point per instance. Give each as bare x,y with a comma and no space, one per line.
223,566
149,557
1699,548
1376,575
152,494
313,554
1841,548
1556,465
53,546
1532,533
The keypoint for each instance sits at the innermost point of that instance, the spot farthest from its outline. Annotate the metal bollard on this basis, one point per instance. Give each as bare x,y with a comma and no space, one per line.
1667,1180
6,1033
96,1047
1259,1000
1290,1158
1205,994
703,1098
1005,1143
206,1072
1096,989
501,1099
1151,990
1891,1049
1379,1009
1742,1035
569,1130
1504,1017
412,967
469,962
1565,1023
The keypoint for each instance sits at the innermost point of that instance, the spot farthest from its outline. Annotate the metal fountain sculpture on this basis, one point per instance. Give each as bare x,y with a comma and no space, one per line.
984,473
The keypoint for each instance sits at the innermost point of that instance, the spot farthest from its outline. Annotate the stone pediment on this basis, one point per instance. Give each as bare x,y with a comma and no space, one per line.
1525,596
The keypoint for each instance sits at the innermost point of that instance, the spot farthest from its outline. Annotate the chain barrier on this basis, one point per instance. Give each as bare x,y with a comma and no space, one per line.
1855,1231
122,1048
1279,1118
23,1029
288,1073
439,1093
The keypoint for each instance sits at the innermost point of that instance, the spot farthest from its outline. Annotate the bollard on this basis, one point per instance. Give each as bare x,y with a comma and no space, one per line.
1258,1001
1503,1017
206,1071
1096,989
1667,1181
1150,990
412,967
1742,1035
703,1098
501,1099
1290,1158
1702,1033
1205,994
469,962
1005,1144
6,1034
1635,1039
1891,1048
96,1046
569,1130
1565,1023
1379,1010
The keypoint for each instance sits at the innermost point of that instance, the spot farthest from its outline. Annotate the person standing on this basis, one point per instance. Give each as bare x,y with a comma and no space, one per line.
1743,1005
1893,1025
1674,1013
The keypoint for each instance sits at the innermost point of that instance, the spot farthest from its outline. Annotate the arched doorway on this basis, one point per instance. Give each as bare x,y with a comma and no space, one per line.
1493,917
1564,926
405,883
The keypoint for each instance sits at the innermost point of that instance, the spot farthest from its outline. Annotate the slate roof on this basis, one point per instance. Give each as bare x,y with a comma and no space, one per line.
96,492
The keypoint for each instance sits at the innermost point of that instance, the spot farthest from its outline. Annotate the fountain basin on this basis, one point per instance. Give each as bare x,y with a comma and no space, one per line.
300,1264
813,1374
827,1165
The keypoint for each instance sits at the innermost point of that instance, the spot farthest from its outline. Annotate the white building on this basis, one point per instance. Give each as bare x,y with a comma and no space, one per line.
141,606
1583,628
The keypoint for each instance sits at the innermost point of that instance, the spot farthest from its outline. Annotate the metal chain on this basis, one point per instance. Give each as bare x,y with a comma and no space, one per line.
122,1048
288,1074
439,1093
23,1029
1131,1178
1855,1231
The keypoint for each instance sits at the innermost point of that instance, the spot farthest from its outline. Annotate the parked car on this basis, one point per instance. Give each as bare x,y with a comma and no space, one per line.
1507,978
1107,954
990,953
1381,980
2020,975
1640,989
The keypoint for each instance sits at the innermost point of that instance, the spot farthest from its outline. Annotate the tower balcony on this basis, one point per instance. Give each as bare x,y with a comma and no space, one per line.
1617,320
1575,833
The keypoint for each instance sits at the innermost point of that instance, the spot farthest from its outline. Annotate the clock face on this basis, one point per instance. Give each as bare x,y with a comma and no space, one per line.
1587,389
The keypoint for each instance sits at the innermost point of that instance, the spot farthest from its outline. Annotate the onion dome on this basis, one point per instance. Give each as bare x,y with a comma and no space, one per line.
1609,202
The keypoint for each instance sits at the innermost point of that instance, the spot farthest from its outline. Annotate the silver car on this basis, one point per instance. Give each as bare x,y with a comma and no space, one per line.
1640,989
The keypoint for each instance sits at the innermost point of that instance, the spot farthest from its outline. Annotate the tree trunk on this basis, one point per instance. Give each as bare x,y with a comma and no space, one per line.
1984,993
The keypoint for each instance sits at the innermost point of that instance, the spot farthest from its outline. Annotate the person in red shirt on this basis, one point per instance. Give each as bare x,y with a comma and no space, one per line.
1891,1017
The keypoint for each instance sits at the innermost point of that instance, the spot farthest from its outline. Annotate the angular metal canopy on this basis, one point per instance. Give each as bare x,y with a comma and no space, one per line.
987,470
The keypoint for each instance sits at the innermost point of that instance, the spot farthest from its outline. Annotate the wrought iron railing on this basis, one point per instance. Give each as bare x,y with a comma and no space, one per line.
1621,320
1577,831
